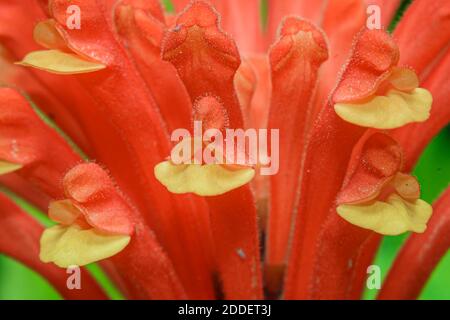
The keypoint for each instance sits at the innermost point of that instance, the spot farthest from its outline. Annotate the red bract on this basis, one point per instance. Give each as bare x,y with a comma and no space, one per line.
348,102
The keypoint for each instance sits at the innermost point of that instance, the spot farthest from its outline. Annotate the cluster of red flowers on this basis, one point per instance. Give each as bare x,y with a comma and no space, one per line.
355,109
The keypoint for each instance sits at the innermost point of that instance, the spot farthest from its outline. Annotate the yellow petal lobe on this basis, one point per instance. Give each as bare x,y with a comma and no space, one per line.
393,217
71,245
394,110
203,180
8,167
56,61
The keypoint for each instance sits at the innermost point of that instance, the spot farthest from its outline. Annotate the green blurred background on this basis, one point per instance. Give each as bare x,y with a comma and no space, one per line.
433,172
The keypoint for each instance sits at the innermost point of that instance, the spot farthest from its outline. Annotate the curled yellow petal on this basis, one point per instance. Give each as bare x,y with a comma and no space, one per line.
63,211
71,245
46,35
406,186
8,167
56,61
394,110
393,217
203,180
404,79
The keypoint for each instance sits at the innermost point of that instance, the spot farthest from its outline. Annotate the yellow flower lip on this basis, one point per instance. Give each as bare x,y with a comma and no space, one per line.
403,103
8,167
391,217
72,245
395,208
394,110
377,195
202,180
59,62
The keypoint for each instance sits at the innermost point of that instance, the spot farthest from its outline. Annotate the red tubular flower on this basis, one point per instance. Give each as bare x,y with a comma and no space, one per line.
141,124
91,194
131,74
95,222
331,152
419,256
376,196
19,238
424,63
295,60
29,147
197,46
